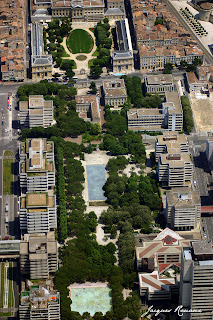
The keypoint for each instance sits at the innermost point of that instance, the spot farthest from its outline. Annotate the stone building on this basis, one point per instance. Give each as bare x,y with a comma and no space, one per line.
159,83
114,92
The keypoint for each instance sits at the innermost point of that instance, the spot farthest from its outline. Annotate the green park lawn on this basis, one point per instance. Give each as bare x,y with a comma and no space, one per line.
8,176
80,41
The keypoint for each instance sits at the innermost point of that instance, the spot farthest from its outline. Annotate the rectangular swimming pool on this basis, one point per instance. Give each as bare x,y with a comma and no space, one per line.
96,178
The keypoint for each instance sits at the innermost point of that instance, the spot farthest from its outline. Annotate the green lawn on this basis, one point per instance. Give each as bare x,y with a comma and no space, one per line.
2,285
80,41
96,53
8,176
64,54
8,153
90,63
11,296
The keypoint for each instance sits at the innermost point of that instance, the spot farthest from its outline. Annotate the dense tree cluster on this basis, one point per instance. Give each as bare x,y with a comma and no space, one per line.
118,140
135,92
188,122
191,66
57,30
118,163
68,122
104,43
168,67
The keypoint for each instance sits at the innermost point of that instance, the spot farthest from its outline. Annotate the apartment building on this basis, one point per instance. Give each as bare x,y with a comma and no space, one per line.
37,112
37,212
13,43
209,149
36,166
155,58
87,107
175,169
170,141
161,42
158,259
114,92
41,63
159,83
78,10
196,287
123,59
183,208
169,117
39,303
38,255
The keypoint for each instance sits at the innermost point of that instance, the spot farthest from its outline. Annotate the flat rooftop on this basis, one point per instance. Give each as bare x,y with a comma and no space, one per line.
202,248
183,197
159,79
37,199
172,137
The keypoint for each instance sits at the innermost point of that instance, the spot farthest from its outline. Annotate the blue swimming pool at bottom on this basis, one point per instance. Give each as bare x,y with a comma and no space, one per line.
91,300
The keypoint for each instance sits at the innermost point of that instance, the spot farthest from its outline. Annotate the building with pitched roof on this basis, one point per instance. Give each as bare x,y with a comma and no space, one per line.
87,107
159,259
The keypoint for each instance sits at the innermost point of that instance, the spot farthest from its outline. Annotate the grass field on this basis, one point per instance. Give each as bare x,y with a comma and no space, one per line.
96,53
90,63
7,176
8,153
2,285
11,295
80,41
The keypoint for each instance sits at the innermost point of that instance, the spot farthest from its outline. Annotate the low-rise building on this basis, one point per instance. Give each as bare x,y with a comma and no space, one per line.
158,262
87,107
39,303
116,4
37,112
170,141
196,287
115,14
183,208
114,92
38,255
175,169
159,83
170,117
37,212
79,10
123,60
41,63
36,166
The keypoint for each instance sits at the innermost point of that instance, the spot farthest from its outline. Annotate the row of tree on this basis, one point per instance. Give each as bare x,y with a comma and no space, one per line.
188,123
138,99
104,43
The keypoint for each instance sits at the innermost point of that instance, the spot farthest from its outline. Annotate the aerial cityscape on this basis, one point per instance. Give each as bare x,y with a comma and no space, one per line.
106,159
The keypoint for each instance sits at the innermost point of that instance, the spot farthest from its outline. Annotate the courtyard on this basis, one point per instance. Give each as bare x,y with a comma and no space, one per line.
80,41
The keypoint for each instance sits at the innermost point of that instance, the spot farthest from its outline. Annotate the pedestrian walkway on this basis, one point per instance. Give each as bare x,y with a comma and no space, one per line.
81,65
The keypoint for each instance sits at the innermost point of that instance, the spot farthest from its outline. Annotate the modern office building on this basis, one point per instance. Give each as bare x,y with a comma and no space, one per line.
39,303
36,166
158,261
183,208
41,63
159,83
37,212
175,169
169,117
37,112
123,59
38,255
170,141
196,287
114,92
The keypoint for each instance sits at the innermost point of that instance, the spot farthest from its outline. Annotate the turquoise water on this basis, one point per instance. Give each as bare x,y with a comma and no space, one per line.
96,178
91,300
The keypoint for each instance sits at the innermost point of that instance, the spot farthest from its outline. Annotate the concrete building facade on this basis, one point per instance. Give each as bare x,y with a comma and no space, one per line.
39,303
183,208
38,255
114,92
196,287
37,112
159,83
209,149
169,117
36,166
